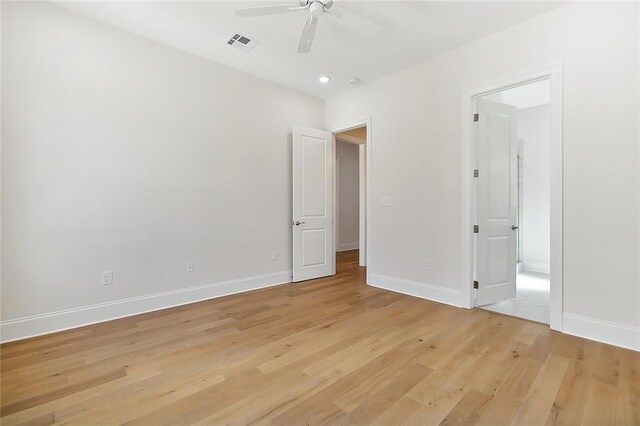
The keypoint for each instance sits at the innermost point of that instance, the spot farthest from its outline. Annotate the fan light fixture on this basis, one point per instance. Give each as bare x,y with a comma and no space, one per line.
324,79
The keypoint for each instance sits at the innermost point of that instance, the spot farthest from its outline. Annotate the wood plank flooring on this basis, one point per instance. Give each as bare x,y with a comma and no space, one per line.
329,351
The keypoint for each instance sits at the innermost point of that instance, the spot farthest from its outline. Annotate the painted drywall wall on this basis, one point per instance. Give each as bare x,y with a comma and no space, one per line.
348,195
122,154
416,159
534,131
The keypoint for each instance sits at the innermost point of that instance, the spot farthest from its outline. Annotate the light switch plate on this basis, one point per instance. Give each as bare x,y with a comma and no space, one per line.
107,278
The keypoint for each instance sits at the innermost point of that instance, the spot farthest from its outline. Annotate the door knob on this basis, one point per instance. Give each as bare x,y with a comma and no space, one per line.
514,227
298,223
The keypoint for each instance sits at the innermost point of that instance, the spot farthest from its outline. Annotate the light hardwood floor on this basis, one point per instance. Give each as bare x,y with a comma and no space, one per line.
331,351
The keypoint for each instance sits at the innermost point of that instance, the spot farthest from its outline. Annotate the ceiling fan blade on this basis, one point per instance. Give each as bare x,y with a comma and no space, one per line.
332,13
266,10
308,33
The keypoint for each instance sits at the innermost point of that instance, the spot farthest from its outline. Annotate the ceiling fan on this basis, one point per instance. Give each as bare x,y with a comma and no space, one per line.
316,9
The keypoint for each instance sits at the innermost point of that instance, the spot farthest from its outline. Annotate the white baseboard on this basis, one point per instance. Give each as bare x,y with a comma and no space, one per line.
601,331
539,267
611,333
418,289
589,328
22,328
349,246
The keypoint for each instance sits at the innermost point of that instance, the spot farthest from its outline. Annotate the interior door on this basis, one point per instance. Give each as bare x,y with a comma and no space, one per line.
497,202
313,251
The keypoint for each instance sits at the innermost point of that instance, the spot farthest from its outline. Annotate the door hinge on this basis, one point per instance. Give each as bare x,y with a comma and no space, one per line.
476,117
476,284
476,173
476,229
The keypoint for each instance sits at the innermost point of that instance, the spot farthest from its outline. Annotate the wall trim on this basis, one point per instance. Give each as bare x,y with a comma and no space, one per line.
612,333
417,289
607,332
349,246
37,325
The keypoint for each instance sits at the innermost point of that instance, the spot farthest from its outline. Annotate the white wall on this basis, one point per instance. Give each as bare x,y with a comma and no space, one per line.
122,154
349,195
534,130
416,160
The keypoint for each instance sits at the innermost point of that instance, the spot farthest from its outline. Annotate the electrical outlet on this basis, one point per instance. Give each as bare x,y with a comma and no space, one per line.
274,255
107,278
188,267
428,263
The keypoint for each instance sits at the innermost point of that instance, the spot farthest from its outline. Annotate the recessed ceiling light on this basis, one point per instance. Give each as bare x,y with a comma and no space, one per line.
324,79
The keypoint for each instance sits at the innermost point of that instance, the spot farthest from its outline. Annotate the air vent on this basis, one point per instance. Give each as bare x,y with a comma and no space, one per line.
242,42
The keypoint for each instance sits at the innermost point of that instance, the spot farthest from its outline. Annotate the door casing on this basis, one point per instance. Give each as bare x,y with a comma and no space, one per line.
469,154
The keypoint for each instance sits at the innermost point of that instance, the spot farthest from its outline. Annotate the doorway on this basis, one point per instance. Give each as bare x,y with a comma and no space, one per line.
350,191
530,104
513,148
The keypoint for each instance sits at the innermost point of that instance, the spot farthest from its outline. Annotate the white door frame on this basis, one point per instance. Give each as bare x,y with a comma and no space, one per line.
365,192
554,74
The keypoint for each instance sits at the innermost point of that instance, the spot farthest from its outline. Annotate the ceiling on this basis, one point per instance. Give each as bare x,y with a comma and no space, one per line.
371,39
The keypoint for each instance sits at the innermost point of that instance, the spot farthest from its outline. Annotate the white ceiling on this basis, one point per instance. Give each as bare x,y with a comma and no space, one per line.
370,40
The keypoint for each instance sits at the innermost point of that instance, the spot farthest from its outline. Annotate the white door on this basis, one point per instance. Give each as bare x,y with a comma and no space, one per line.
497,202
313,251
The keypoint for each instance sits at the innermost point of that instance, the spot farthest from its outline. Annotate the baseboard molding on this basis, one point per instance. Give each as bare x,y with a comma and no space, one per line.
418,289
541,268
349,246
589,328
22,328
611,333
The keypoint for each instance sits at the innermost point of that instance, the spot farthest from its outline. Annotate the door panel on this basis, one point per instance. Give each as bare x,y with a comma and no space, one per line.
313,254
314,250
314,178
498,162
497,202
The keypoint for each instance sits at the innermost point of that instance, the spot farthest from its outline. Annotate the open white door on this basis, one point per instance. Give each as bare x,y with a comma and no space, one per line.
497,202
313,251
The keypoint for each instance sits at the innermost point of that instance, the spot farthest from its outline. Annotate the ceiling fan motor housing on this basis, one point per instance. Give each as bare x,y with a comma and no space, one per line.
316,9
